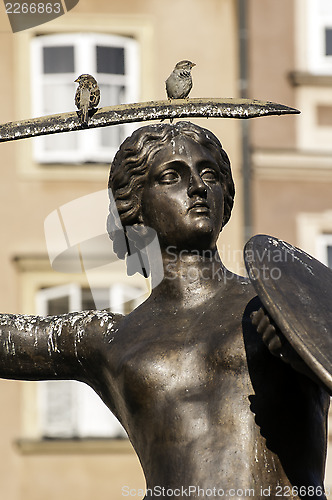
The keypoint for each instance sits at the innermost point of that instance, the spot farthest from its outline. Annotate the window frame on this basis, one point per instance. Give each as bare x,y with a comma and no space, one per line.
82,414
71,290
318,62
35,274
89,147
139,27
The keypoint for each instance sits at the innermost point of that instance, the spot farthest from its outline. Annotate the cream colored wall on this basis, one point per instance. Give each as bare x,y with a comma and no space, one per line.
204,32
271,58
279,203
291,161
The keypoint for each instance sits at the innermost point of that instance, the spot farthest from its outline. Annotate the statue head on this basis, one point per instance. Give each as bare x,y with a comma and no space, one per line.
130,168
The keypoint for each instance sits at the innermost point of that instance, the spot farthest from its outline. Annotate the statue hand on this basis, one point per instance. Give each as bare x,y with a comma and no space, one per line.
267,330
277,343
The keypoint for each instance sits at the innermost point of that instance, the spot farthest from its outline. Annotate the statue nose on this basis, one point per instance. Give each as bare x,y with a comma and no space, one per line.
197,186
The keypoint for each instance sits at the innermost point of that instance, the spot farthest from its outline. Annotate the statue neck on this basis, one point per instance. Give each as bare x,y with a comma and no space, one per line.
190,278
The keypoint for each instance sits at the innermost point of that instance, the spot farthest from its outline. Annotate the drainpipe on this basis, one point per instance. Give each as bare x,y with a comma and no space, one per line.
243,74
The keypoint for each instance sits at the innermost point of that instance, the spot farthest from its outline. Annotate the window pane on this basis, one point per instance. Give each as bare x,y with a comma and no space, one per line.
110,60
58,406
111,95
60,142
98,296
58,59
112,136
95,419
328,41
59,98
329,256
58,306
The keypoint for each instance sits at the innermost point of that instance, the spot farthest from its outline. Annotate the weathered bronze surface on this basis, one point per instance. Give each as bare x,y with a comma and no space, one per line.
205,404
296,289
145,111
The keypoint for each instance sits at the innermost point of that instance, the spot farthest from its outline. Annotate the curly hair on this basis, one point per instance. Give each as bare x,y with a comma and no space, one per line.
130,166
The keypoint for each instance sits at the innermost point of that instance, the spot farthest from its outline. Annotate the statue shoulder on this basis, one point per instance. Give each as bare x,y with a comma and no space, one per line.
240,284
94,327
102,321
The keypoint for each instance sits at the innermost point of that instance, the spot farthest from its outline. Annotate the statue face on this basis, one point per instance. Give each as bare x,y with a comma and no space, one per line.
183,196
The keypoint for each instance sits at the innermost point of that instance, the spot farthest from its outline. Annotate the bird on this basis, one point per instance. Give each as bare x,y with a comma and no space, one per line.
179,83
87,95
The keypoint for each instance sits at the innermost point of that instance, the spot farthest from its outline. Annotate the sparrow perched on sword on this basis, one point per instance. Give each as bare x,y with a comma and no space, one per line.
179,83
87,96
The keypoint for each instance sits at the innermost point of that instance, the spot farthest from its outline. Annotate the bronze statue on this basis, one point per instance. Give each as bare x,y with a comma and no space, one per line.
208,409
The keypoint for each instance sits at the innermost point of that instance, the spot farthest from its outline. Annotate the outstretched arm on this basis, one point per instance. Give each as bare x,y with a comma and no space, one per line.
51,347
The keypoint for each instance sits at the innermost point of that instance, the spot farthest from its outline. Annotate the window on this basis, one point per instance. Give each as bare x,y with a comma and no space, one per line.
319,43
70,409
57,60
324,249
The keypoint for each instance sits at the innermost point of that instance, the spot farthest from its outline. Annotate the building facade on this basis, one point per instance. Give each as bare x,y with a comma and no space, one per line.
51,444
290,61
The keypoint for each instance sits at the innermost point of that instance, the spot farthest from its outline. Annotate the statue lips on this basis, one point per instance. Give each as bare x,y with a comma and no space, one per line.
200,207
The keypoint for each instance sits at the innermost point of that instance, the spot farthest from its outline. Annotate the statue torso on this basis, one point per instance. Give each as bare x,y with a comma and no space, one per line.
206,405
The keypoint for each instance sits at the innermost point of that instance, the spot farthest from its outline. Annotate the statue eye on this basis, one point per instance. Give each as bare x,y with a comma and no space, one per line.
168,177
209,175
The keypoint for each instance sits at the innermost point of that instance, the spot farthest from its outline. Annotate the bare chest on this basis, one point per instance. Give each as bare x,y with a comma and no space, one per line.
183,357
